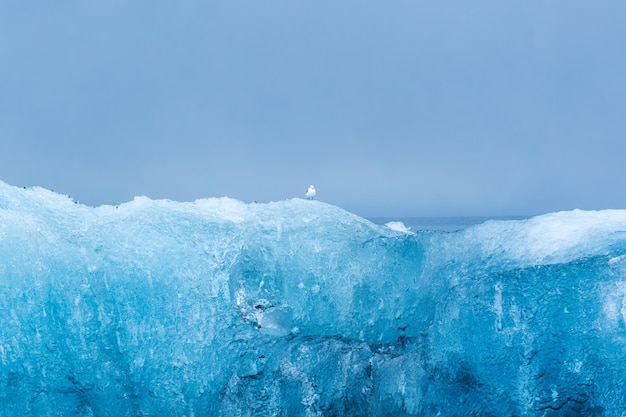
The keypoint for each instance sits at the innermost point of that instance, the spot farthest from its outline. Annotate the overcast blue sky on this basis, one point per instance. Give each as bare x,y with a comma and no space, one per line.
391,108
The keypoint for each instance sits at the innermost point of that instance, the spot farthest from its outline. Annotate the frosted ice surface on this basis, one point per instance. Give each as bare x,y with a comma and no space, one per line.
299,308
398,227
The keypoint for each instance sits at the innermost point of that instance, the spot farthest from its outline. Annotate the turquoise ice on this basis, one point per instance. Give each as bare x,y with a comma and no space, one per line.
299,308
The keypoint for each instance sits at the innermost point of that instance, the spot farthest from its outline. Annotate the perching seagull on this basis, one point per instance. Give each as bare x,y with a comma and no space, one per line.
310,192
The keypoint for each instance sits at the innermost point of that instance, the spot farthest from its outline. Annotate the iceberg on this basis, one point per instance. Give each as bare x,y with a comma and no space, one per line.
299,308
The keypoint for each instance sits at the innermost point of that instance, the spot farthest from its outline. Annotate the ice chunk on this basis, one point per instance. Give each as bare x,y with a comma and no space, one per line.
398,227
216,307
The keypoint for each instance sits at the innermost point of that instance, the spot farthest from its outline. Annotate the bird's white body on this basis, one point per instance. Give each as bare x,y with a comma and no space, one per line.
310,192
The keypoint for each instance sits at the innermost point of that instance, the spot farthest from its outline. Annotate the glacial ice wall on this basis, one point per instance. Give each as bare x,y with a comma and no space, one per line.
298,308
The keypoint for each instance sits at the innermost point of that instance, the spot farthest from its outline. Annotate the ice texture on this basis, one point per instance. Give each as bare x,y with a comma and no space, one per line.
299,308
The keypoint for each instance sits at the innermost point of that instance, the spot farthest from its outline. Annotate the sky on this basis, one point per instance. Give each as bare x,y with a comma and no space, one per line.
394,108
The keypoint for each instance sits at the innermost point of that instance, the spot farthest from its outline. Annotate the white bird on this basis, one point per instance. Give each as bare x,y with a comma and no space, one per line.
310,192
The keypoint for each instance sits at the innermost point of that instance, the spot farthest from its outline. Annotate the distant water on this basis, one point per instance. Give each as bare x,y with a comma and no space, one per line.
447,224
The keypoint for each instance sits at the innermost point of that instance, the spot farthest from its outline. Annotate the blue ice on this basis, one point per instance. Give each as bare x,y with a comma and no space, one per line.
299,308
